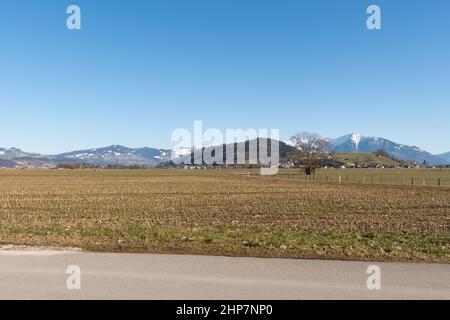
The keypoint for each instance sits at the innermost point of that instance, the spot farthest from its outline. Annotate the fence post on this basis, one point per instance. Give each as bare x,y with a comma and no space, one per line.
339,178
423,182
412,181
439,182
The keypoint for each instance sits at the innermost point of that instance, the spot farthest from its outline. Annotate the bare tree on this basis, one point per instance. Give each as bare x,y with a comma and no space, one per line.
313,151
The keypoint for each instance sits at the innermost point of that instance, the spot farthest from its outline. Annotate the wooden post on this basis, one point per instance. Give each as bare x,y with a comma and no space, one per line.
439,182
412,181
423,182
339,178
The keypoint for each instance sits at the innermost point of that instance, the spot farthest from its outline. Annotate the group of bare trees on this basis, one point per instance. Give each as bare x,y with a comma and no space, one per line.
313,151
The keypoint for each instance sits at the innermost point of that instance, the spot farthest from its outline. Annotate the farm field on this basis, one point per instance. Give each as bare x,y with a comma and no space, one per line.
227,212
407,177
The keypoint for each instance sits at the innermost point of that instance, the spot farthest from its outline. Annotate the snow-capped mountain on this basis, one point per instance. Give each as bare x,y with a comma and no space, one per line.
14,153
14,157
112,155
116,155
356,142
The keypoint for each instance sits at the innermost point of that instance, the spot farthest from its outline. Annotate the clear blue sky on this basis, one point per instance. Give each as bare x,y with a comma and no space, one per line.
140,69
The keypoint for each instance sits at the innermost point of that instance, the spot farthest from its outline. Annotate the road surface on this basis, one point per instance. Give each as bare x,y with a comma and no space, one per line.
41,274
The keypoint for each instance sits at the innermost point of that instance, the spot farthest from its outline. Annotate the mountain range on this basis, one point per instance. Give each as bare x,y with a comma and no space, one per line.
112,155
151,157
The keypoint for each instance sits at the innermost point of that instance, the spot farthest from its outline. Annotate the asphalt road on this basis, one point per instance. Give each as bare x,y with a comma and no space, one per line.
41,274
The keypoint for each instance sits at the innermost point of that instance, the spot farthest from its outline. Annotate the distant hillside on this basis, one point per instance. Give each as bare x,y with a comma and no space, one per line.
364,158
285,151
445,156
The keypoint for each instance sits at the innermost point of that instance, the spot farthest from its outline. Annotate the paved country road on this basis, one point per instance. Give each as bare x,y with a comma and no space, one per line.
41,274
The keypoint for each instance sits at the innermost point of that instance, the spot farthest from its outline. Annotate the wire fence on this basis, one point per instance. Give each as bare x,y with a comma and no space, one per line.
382,179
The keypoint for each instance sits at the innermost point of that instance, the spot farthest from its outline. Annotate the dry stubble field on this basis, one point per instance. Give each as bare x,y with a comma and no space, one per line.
217,212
